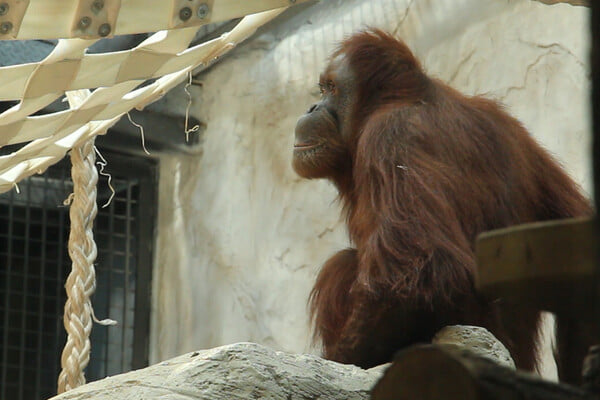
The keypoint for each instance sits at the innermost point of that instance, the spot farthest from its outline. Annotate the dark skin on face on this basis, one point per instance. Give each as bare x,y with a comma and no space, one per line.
322,134
421,170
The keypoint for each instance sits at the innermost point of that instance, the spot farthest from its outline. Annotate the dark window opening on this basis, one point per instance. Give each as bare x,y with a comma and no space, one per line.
34,264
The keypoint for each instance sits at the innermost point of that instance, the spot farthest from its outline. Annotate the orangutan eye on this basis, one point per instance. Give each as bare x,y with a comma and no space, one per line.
322,88
327,87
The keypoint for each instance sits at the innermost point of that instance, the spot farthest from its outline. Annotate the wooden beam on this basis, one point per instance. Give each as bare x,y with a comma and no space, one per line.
433,372
532,263
54,19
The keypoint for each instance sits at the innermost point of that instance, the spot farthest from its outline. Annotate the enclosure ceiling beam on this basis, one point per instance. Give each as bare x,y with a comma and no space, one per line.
52,19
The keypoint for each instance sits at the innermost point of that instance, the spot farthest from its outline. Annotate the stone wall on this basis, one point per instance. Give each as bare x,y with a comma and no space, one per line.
241,237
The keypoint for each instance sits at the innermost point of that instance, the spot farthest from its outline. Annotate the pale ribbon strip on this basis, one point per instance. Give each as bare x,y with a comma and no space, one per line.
52,135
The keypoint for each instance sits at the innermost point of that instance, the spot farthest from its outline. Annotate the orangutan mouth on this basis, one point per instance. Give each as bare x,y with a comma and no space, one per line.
306,146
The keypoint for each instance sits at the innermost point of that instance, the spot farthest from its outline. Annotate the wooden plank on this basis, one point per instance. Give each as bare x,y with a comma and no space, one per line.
547,265
435,372
52,19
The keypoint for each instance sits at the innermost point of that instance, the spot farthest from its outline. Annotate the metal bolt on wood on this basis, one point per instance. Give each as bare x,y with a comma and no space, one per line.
97,6
84,22
202,11
6,27
185,13
104,30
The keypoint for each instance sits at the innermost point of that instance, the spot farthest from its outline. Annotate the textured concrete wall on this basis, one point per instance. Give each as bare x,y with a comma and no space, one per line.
241,237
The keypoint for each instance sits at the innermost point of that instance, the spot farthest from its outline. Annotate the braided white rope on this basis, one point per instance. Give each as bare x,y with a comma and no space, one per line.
81,283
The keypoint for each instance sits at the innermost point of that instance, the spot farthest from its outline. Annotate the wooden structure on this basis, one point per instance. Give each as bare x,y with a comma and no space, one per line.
551,266
447,372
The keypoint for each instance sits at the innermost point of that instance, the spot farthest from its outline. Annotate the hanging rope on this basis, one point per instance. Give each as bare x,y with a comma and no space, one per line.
81,282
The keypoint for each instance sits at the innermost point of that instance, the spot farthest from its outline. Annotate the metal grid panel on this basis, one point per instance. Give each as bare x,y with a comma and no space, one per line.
34,264
117,258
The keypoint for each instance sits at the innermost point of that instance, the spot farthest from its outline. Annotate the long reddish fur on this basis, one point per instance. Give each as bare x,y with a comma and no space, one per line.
431,169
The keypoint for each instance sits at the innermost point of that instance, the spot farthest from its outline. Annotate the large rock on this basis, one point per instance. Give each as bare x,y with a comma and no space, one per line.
478,340
251,371
238,371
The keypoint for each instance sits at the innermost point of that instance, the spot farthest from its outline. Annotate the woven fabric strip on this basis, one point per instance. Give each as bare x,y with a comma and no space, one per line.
165,55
